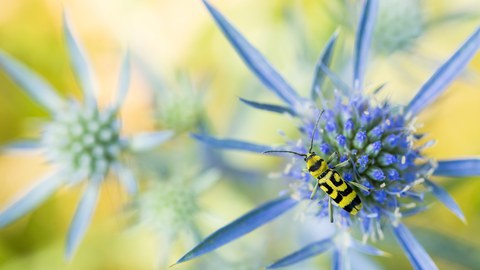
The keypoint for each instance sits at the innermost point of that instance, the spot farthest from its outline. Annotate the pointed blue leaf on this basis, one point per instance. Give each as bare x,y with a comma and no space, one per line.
367,249
458,167
229,144
268,107
30,82
445,75
126,178
418,257
443,196
32,199
304,253
83,216
452,249
148,141
339,259
363,41
413,211
336,80
79,63
255,60
123,81
324,59
241,226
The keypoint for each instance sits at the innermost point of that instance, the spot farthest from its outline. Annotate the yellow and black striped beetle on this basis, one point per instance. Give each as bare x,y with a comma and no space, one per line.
328,179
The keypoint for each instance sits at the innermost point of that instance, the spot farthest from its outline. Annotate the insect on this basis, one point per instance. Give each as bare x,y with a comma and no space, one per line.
328,179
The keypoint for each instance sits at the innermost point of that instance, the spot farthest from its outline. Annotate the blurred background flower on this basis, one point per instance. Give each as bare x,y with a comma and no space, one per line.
170,35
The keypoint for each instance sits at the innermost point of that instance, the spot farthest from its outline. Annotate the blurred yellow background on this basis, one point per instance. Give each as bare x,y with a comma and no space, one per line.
180,35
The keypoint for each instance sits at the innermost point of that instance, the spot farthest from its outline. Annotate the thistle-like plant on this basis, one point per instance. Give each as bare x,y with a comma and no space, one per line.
81,141
178,106
169,205
376,141
399,24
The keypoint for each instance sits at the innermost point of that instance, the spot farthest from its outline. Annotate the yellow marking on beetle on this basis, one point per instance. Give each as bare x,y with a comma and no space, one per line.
333,184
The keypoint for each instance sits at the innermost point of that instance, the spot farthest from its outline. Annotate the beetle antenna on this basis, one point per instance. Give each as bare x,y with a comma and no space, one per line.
284,151
315,130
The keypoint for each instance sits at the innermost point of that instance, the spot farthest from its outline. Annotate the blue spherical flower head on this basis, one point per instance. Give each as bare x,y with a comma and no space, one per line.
375,141
359,130
82,141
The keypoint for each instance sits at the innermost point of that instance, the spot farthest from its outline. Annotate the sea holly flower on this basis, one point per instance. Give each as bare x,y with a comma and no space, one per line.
180,110
82,141
178,106
376,141
169,205
401,23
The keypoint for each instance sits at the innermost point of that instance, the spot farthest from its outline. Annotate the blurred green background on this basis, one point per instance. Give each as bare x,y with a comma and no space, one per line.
179,35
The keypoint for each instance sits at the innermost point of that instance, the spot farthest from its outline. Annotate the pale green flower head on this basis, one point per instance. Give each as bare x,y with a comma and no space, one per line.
84,138
399,24
178,106
169,206
182,112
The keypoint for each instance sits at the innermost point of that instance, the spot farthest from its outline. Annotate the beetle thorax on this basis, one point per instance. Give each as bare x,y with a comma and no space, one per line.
315,164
